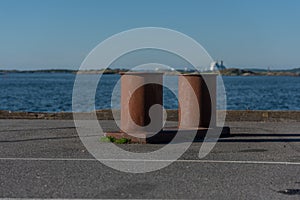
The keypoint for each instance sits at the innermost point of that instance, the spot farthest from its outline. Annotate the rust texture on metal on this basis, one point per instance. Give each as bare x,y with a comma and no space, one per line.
206,100
139,92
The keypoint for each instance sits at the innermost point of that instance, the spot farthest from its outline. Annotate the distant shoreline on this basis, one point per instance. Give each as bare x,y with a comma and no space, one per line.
107,71
258,72
223,72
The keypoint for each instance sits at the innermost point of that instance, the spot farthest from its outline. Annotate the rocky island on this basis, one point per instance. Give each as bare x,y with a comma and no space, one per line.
222,70
257,72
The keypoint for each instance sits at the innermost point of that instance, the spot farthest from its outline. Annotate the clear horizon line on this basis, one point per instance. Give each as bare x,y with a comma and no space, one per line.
76,69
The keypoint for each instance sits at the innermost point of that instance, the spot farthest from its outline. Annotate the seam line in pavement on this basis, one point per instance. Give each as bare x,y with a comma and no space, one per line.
140,160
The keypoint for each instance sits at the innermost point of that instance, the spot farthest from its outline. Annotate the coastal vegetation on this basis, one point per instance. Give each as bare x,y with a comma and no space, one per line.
259,72
224,72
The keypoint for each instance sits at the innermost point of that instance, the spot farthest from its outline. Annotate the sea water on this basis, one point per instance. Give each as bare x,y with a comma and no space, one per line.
52,92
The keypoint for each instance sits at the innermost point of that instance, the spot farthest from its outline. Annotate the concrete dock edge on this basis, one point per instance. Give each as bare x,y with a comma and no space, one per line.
231,115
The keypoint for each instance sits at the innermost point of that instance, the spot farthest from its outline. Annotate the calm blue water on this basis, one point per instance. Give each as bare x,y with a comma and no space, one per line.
48,92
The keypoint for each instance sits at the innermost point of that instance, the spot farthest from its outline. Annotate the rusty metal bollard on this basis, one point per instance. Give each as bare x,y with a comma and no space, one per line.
139,92
206,100
142,111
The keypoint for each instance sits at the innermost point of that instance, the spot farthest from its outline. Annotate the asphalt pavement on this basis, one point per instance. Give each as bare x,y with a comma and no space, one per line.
46,159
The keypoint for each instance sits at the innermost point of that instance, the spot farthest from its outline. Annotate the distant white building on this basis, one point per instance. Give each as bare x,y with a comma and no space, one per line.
217,66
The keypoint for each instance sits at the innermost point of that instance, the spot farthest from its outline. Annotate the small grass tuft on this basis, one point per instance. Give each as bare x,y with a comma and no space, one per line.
114,140
107,139
122,141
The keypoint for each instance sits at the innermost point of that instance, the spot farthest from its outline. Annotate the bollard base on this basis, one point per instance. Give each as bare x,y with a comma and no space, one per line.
166,135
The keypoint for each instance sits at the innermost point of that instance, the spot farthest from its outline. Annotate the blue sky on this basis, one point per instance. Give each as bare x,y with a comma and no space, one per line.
43,34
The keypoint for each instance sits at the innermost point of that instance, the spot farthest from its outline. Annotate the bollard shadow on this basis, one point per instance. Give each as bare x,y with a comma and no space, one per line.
266,135
167,135
261,140
257,137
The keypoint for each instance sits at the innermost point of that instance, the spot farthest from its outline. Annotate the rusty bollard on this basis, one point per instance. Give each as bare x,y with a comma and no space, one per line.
142,118
206,100
140,91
